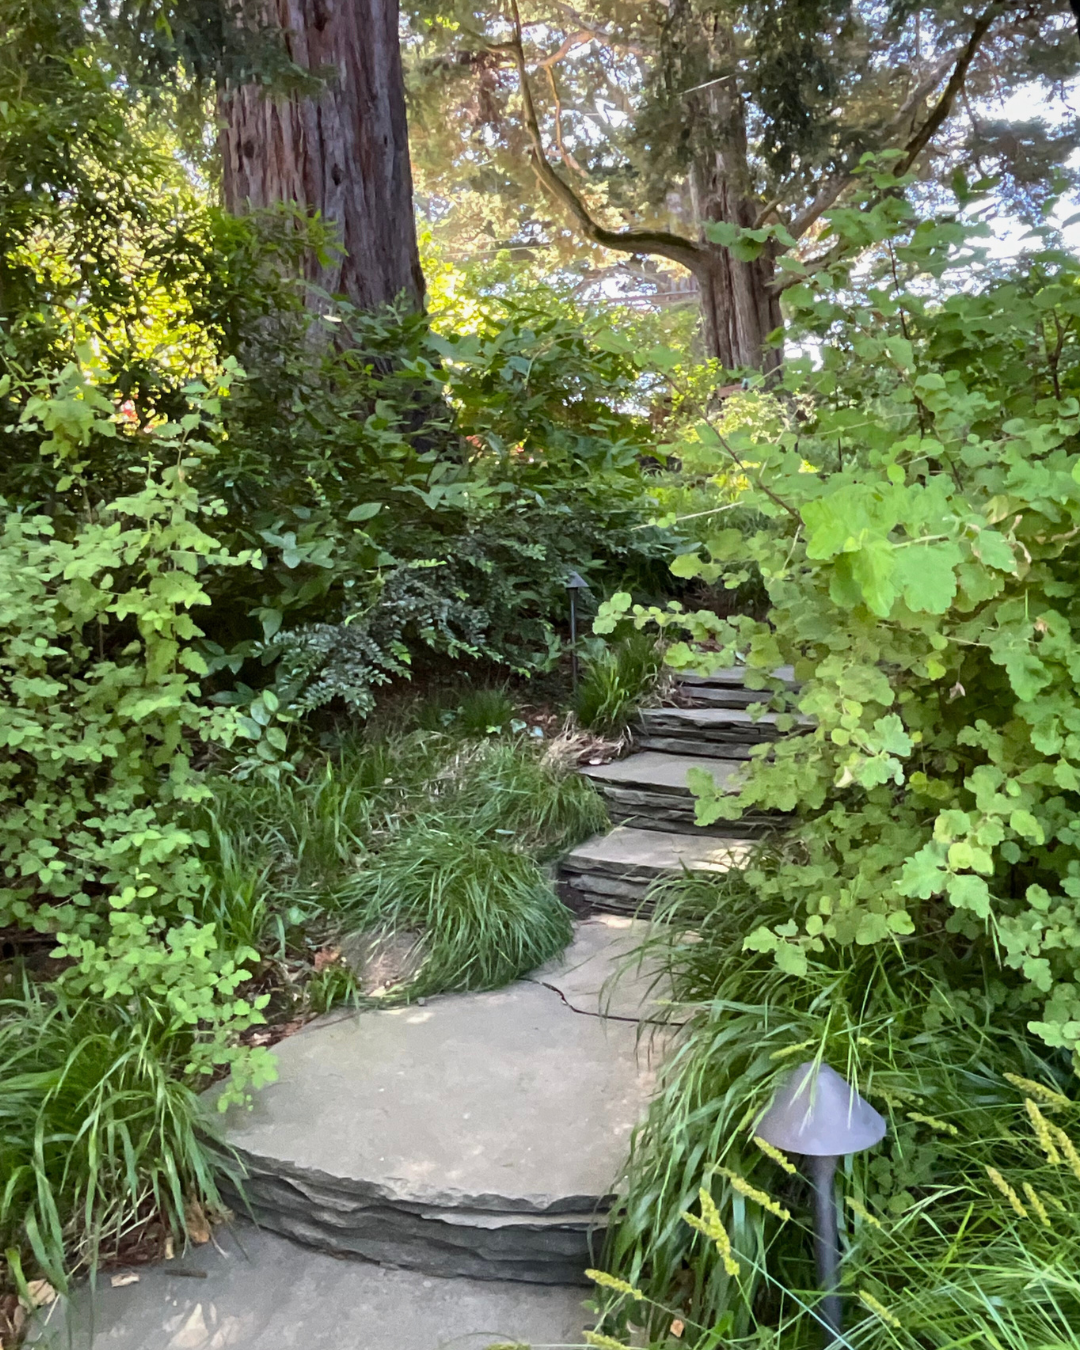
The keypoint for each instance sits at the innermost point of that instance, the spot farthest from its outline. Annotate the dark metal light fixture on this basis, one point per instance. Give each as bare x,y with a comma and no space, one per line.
574,582
821,1116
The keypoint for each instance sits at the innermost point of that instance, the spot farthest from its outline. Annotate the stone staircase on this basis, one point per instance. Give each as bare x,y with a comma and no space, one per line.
652,808
476,1137
465,1151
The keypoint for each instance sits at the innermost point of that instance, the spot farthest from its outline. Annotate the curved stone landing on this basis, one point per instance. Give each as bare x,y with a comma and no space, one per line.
255,1291
479,1135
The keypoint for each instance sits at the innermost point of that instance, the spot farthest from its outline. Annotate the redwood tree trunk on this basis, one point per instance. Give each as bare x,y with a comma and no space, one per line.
739,307
342,152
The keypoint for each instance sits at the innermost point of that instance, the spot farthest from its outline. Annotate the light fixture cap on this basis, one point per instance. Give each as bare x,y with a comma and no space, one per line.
576,582
819,1114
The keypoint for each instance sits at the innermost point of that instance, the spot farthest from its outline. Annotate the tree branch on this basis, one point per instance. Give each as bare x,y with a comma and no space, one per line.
564,154
671,246
577,39
959,59
944,105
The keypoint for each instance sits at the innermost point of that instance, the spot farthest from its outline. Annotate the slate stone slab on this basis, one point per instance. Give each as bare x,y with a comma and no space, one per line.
720,695
480,1135
661,773
625,852
648,791
614,871
735,675
723,733
262,1292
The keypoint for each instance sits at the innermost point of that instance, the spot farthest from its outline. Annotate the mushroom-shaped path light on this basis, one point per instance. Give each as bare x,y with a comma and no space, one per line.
819,1115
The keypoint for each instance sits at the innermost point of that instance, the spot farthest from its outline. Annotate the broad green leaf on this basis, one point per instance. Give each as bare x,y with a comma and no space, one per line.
924,575
970,892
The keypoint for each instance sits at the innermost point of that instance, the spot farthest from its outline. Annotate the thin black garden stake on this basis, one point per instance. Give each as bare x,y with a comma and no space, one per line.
574,582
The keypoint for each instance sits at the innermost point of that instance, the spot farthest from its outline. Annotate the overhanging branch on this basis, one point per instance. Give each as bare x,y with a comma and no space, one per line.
944,106
960,60
659,242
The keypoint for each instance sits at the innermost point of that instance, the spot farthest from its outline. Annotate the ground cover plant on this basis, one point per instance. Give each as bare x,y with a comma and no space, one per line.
616,679
437,836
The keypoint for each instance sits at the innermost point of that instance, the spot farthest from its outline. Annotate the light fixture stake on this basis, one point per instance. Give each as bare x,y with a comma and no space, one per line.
820,1116
574,582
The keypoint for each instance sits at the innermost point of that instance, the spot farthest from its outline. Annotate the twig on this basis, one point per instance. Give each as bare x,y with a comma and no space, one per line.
564,154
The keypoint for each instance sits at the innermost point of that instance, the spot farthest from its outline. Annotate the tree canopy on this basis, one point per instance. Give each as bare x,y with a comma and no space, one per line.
657,130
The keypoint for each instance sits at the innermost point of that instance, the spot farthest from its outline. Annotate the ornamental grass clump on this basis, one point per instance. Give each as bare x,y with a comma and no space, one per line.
101,1132
961,1228
485,914
616,681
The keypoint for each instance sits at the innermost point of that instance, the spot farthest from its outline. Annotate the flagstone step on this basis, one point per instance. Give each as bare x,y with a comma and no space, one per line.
648,790
718,695
253,1290
613,872
734,676
725,688
480,1135
723,733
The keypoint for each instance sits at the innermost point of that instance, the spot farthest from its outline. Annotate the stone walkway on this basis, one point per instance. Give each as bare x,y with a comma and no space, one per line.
262,1292
468,1149
647,795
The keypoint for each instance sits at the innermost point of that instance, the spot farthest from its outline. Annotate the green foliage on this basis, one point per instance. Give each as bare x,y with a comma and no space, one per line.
527,793
485,712
921,565
98,708
484,914
926,1232
383,544
616,680
99,1130
444,828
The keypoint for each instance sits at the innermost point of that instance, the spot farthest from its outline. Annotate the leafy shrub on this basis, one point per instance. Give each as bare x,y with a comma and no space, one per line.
485,915
922,580
616,681
98,705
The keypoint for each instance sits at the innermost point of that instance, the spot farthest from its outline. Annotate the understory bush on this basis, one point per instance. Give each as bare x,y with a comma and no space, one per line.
918,472
923,584
100,715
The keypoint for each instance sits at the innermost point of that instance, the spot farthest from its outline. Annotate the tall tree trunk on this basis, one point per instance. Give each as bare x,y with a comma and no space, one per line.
739,307
342,152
